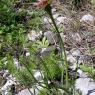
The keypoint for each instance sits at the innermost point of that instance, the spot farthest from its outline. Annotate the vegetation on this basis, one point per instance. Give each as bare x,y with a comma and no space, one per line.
16,20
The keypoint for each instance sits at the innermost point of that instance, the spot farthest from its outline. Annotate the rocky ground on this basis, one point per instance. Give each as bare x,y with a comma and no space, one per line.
77,29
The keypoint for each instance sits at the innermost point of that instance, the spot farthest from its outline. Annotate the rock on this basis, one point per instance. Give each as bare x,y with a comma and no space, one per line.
81,74
6,88
24,92
47,51
86,18
87,59
2,81
61,20
38,75
51,37
77,38
72,62
35,91
47,20
63,36
75,52
72,57
55,15
16,63
26,52
86,86
5,73
53,10
34,35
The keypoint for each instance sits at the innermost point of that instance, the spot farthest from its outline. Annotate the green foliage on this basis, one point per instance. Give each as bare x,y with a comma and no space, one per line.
36,21
25,78
6,11
10,64
52,64
11,28
88,69
42,44
2,63
60,28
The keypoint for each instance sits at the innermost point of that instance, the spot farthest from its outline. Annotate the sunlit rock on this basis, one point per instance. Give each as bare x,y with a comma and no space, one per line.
6,88
86,86
38,75
34,35
61,20
33,91
47,20
51,37
55,15
87,17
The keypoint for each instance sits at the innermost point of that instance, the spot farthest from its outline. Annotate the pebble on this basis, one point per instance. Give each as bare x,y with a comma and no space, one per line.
51,37
6,88
38,76
86,86
75,52
56,16
33,35
61,20
76,37
34,91
72,62
87,17
47,20
53,10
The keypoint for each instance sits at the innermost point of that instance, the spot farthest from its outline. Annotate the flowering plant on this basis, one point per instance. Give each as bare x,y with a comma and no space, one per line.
46,5
42,3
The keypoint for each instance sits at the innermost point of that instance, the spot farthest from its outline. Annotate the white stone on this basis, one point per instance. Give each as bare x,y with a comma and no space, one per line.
27,54
87,17
47,20
33,35
16,63
5,62
51,37
6,88
24,92
53,10
61,19
6,72
71,59
55,15
35,91
81,73
43,49
75,52
86,86
77,37
72,62
38,75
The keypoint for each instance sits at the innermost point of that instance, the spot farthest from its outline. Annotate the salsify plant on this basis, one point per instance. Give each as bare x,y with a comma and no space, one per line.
45,4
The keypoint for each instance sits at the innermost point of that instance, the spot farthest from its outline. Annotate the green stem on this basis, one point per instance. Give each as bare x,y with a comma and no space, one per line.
63,53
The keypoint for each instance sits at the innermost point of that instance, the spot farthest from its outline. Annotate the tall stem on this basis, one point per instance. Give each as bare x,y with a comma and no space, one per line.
63,53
